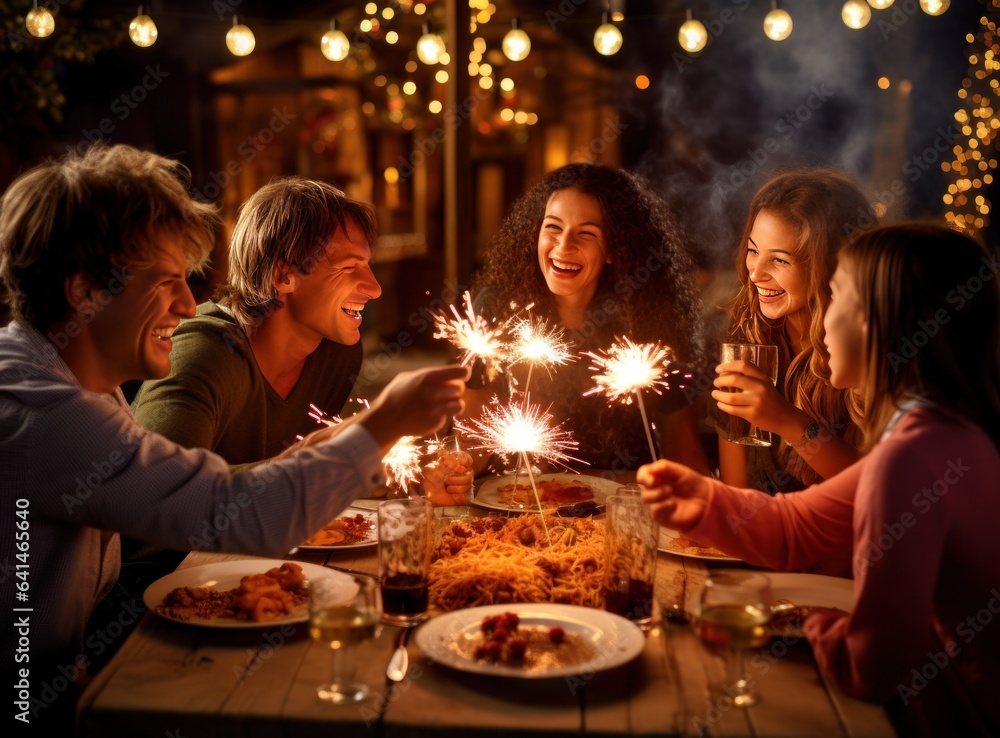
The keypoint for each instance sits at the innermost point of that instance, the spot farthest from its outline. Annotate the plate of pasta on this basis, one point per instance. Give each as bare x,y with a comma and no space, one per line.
355,528
510,493
248,593
551,640
675,542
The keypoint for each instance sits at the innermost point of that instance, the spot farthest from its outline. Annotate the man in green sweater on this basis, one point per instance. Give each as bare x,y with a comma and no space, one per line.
283,333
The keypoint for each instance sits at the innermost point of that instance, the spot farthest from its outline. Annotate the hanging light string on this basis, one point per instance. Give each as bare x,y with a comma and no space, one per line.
516,44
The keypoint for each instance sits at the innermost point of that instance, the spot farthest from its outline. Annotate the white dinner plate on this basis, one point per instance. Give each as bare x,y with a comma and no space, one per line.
813,590
226,575
667,544
488,494
448,638
371,537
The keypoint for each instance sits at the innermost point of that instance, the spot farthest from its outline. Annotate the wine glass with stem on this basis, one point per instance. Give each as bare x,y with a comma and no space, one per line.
732,616
343,614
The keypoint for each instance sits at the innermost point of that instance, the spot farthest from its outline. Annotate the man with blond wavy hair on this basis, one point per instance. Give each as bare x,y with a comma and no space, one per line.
282,333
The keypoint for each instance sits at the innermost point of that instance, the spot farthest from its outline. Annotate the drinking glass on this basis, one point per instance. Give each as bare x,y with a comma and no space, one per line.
443,458
630,540
405,539
342,619
732,428
732,615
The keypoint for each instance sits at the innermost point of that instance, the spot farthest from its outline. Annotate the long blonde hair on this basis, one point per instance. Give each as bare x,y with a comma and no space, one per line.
822,206
933,323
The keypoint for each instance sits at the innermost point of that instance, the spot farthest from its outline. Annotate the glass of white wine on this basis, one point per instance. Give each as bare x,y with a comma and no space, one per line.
342,617
732,616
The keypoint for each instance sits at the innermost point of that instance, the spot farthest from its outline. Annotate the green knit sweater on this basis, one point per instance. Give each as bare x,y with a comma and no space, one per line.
215,396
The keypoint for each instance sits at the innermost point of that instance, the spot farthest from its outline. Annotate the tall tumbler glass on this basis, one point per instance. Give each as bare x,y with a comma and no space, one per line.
730,427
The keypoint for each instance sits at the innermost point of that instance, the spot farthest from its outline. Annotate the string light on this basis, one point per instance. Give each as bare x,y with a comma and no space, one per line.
778,23
516,44
240,39
856,14
934,7
430,47
39,21
975,157
692,36
335,44
880,4
607,38
142,30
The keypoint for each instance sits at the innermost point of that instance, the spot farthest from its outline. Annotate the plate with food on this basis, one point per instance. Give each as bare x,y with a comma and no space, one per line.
530,641
675,542
249,593
796,596
354,528
555,490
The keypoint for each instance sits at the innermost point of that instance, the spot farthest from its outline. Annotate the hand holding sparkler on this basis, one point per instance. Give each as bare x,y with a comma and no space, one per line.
626,369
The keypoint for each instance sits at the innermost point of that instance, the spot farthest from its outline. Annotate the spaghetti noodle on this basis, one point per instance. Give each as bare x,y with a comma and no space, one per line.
486,561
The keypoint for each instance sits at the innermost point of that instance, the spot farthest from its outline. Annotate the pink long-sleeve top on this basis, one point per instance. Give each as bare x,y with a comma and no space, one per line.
921,516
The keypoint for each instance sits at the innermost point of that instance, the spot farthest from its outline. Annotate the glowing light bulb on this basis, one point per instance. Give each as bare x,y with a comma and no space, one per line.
430,47
880,4
240,39
516,44
142,30
39,22
693,35
855,14
607,39
334,44
778,24
934,7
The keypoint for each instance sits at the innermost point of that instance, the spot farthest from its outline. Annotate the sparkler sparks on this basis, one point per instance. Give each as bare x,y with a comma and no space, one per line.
518,428
470,333
628,368
402,463
538,344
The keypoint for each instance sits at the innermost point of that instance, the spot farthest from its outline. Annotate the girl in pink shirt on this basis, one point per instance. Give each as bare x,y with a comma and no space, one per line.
913,322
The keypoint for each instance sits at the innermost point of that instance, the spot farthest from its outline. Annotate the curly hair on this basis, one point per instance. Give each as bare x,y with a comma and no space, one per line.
650,280
822,206
646,293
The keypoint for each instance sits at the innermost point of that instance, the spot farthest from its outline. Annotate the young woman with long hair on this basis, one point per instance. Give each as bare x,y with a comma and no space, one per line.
594,250
797,221
914,320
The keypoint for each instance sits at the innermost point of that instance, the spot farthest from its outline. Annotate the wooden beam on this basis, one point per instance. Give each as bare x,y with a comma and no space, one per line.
458,205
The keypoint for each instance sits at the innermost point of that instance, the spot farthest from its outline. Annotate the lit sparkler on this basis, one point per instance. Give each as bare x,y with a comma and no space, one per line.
538,344
402,463
626,369
469,333
522,430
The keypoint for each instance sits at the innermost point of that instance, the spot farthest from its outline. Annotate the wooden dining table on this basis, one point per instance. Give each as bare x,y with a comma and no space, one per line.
173,679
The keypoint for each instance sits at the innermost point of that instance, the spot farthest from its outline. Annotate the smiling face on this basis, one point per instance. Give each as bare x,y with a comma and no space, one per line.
846,329
775,271
327,302
571,248
134,316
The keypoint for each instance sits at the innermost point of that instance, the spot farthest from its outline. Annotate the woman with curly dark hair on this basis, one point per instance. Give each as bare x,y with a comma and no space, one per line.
796,224
596,251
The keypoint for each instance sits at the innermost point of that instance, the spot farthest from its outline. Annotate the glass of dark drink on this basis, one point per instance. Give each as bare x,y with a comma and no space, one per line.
406,535
629,559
